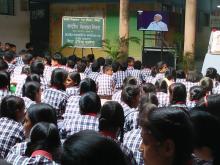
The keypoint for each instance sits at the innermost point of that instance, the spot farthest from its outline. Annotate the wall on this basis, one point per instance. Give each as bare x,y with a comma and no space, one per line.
110,13
15,29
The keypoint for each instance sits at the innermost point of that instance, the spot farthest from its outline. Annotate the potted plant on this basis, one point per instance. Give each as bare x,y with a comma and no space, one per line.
117,49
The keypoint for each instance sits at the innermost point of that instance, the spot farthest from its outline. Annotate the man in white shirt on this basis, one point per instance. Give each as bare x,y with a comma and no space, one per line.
158,24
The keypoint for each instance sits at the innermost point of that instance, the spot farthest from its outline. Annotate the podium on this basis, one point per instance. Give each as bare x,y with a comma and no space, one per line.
152,55
160,52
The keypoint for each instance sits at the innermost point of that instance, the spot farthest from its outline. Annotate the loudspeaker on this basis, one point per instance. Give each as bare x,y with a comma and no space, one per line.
151,56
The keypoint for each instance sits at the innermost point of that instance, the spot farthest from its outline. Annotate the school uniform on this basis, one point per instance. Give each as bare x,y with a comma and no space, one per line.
105,85
133,141
119,77
33,160
117,96
11,132
163,99
72,91
93,75
79,123
72,108
56,98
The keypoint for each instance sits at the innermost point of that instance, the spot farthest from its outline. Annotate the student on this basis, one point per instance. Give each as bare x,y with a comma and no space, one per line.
207,84
72,84
161,68
210,103
192,79
4,85
177,92
127,81
207,134
162,94
137,73
89,147
95,71
180,76
37,67
3,65
56,95
120,74
31,93
130,63
11,116
131,120
27,59
56,62
130,99
212,74
148,88
81,69
162,132
132,139
25,77
9,58
105,83
43,148
35,113
111,122
195,94
101,62
72,106
89,107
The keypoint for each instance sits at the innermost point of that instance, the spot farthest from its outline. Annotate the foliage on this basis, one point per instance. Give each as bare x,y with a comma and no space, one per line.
116,49
66,45
188,62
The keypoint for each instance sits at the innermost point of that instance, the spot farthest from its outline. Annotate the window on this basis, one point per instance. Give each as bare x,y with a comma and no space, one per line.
7,7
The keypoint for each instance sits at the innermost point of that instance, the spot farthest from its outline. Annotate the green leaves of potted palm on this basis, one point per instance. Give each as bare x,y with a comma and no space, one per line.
117,49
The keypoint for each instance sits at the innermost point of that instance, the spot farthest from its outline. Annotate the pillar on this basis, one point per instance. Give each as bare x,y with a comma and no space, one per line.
190,28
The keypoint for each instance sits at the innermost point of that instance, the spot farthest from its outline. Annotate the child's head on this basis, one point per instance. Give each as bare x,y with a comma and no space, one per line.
180,74
87,85
161,67
112,118
26,70
90,58
196,93
211,73
9,56
89,103
73,79
207,84
57,59
130,61
32,91
58,78
13,48
27,58
95,67
37,67
101,61
12,107
177,93
137,65
108,70
131,95
81,67
5,80
3,65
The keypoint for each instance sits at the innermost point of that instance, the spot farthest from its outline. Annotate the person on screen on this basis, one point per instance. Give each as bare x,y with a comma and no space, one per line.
158,24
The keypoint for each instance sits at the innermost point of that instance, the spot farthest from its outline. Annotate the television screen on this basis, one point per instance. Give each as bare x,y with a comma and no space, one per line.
152,20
